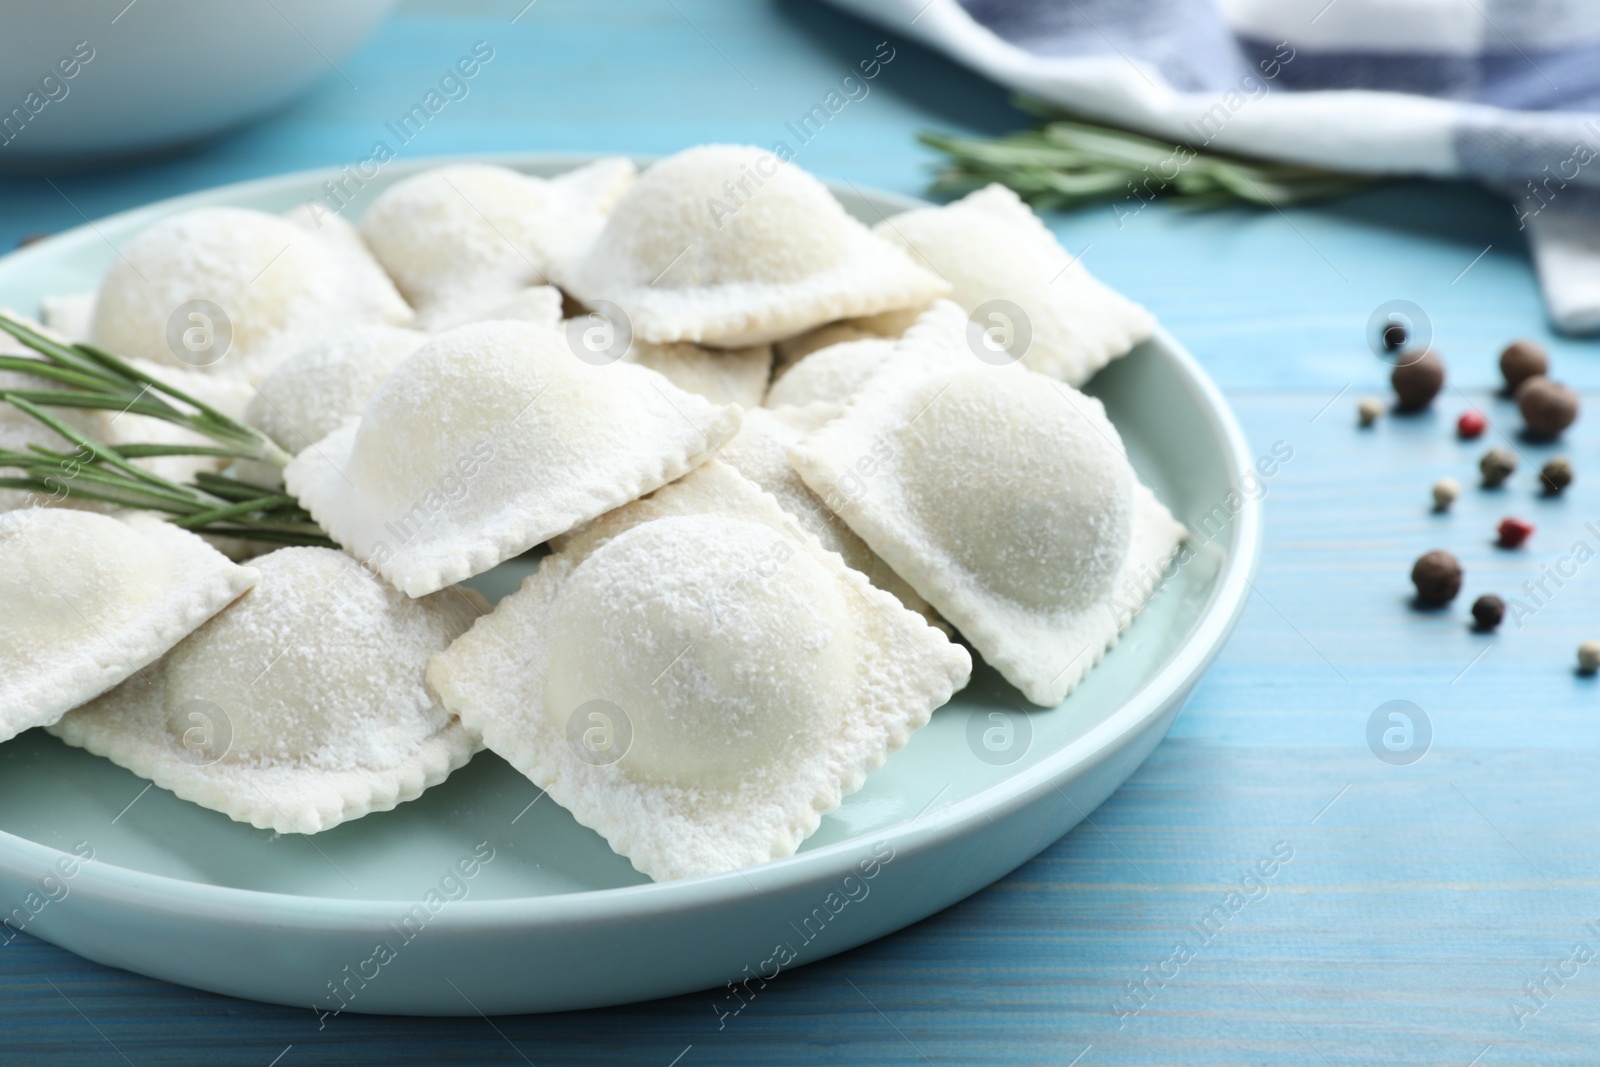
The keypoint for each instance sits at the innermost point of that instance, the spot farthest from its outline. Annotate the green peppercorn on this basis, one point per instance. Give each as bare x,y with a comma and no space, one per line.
1496,466
1556,475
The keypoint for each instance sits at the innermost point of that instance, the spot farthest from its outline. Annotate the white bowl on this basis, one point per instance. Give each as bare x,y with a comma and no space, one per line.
85,80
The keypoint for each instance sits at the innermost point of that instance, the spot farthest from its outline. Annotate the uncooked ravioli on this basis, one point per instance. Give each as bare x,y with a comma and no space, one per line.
491,439
326,382
463,239
1003,497
270,277
697,679
722,376
830,375
760,452
301,707
998,256
727,245
87,600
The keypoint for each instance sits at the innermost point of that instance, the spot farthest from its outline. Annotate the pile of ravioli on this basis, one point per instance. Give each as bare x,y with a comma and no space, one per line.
785,475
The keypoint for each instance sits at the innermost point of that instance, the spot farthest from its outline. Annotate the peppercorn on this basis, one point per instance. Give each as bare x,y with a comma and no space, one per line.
1395,335
1445,491
1589,657
1547,407
1556,475
1514,531
1369,409
1437,576
1471,424
1496,466
1521,360
1488,610
1417,379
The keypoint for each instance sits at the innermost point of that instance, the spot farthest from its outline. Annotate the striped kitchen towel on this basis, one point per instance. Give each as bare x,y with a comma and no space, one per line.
1503,91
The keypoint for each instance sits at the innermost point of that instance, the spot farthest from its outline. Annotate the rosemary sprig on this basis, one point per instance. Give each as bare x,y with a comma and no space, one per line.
94,379
1066,162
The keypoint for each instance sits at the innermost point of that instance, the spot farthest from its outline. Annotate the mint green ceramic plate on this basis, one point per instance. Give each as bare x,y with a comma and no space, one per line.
401,911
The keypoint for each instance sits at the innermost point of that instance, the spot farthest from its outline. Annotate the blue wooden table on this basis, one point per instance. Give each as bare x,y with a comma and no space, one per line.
1434,913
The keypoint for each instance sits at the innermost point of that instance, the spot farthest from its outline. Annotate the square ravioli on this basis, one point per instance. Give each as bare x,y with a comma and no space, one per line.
697,679
760,452
301,707
1002,496
1008,270
460,240
728,245
493,438
87,600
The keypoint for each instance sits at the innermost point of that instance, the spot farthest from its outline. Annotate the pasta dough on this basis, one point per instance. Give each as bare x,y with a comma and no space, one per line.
301,707
830,375
490,439
327,382
734,376
727,246
462,239
1004,498
992,248
697,679
269,277
87,601
760,452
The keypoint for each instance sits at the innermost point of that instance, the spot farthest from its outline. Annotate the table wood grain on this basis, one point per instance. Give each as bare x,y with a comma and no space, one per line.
1410,910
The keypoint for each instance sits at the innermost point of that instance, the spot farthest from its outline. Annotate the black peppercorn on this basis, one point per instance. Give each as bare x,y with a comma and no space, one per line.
1395,335
1417,379
1556,475
1547,407
1520,361
1488,610
1437,576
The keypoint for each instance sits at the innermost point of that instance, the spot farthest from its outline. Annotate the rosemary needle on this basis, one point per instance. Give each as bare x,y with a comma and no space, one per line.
91,379
1067,162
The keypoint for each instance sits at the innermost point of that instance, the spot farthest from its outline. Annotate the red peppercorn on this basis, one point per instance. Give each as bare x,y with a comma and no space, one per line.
1514,531
1471,424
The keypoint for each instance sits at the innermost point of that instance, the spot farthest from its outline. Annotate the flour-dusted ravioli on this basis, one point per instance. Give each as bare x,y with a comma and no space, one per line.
727,245
301,707
87,600
538,304
722,376
830,375
326,382
69,315
697,679
260,278
887,324
461,239
1005,498
493,438
760,452
997,255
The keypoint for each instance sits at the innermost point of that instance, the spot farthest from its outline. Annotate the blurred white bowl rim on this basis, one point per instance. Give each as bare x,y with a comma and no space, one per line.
102,78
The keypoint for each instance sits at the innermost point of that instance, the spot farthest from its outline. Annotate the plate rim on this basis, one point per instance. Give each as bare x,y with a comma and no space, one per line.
254,907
